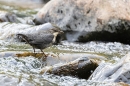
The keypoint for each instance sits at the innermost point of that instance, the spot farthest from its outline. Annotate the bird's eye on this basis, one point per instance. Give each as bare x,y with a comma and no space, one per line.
55,30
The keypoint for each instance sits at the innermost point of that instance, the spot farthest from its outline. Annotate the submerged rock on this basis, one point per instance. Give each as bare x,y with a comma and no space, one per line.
89,19
26,54
119,72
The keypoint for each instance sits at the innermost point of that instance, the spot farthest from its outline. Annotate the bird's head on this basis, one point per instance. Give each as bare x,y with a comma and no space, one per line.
22,37
56,29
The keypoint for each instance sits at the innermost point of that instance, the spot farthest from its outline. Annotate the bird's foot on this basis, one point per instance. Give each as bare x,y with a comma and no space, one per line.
53,55
44,58
45,55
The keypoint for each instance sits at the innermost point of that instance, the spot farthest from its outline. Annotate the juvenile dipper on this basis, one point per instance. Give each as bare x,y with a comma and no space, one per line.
41,40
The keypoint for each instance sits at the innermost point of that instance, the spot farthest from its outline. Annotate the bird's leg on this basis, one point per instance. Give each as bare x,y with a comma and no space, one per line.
43,52
34,49
43,58
34,52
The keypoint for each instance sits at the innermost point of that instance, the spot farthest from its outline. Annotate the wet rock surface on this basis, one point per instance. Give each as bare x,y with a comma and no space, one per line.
81,68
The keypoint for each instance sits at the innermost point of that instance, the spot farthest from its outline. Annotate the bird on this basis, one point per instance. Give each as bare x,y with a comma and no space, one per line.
41,40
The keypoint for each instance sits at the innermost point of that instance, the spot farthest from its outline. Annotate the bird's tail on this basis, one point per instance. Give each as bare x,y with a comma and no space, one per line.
24,37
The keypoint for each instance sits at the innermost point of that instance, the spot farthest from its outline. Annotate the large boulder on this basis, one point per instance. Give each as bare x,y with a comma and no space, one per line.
89,19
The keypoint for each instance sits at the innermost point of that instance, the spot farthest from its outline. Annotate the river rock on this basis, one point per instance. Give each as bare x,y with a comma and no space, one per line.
81,67
89,19
118,72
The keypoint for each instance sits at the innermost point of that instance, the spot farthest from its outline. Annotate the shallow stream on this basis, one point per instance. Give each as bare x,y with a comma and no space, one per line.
24,71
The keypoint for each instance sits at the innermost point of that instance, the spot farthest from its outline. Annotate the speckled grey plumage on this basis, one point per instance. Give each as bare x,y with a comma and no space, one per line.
40,41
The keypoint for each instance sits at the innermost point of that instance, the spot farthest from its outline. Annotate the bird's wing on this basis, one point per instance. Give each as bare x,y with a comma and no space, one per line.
43,38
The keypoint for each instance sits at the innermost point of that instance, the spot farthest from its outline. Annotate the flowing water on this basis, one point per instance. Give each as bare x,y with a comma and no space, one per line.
24,71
